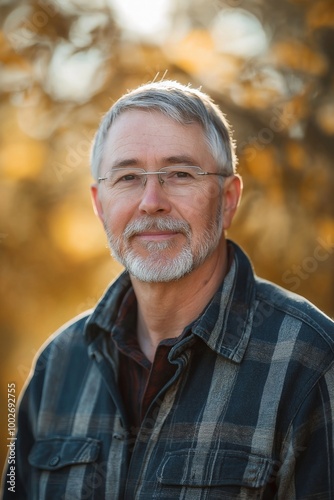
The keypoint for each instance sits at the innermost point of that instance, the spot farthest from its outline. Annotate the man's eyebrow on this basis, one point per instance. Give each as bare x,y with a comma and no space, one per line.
179,160
168,160
127,162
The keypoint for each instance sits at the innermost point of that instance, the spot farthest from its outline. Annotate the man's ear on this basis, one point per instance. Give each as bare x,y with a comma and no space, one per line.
97,205
231,198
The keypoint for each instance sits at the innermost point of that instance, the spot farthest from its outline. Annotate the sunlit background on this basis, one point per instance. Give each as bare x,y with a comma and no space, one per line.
269,65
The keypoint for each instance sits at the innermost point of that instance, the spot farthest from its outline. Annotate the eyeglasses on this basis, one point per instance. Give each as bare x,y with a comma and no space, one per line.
174,179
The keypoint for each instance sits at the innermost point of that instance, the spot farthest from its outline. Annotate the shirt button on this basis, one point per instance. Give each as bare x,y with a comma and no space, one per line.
54,461
118,435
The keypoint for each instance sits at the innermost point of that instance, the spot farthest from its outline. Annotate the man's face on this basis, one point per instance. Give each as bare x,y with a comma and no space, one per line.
159,237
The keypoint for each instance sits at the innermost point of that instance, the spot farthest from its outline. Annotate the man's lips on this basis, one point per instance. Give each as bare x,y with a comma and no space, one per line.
156,235
157,228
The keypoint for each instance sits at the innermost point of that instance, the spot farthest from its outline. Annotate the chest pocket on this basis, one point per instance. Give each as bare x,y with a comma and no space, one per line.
60,464
55,453
221,474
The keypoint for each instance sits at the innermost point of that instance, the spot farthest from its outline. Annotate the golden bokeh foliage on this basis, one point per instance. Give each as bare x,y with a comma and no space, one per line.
268,65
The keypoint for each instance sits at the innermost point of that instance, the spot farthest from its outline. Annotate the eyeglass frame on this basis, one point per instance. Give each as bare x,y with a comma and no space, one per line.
143,172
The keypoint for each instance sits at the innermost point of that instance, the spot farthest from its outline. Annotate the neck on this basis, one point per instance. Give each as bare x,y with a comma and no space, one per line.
165,309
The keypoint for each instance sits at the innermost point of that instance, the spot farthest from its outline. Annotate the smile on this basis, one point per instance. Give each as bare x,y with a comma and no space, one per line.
156,235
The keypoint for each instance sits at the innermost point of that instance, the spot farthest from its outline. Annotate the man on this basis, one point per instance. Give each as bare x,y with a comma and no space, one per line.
192,378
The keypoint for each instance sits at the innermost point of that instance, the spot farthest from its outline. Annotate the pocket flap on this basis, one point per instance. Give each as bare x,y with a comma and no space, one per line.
216,468
57,452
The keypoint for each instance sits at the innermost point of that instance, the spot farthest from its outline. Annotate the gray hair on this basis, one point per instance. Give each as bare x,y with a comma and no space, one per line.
182,104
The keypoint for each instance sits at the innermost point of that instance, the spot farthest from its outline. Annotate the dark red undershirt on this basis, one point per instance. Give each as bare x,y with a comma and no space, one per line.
139,379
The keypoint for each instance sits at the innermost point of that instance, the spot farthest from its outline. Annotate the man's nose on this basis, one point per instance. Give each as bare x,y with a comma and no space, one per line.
153,197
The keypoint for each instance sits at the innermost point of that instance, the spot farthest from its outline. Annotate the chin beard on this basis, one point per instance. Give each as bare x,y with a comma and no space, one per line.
158,266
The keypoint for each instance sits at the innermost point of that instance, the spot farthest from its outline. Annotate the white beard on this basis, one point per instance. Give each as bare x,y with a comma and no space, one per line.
158,266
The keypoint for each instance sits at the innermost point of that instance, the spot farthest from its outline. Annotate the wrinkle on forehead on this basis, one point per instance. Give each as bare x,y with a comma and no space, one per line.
139,137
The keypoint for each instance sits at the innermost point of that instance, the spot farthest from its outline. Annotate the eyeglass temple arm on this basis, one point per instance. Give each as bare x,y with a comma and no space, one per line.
213,173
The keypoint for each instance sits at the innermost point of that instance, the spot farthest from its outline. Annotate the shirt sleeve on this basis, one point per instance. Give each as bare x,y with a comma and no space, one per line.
307,469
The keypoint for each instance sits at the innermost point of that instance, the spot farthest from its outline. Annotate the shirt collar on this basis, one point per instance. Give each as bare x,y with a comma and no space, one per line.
225,325
106,311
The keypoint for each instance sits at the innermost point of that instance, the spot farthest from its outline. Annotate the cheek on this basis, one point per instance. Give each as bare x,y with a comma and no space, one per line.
209,194
201,218
203,207
117,215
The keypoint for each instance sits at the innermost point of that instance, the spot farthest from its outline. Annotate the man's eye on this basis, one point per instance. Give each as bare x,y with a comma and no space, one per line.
130,177
181,175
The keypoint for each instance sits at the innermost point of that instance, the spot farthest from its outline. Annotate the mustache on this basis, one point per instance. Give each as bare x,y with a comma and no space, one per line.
157,224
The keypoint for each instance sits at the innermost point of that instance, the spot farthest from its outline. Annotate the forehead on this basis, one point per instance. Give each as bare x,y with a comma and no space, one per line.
139,132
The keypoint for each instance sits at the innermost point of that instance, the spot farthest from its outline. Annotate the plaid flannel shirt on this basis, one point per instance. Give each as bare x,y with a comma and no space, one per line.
247,414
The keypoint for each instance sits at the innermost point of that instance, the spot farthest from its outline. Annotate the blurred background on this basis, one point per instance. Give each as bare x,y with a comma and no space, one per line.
270,67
